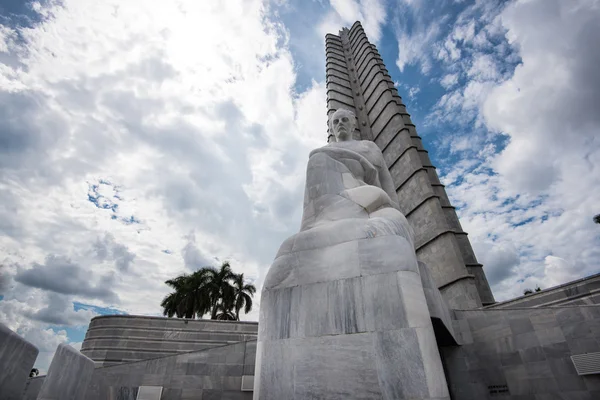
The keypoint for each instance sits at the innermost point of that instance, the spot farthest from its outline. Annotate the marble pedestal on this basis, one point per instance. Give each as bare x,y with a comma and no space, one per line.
17,357
346,317
68,377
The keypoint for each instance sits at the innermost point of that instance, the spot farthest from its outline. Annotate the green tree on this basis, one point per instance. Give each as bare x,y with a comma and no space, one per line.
529,291
243,293
224,314
220,290
190,298
216,291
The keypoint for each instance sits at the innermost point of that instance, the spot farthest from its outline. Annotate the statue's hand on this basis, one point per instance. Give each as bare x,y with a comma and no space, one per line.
371,198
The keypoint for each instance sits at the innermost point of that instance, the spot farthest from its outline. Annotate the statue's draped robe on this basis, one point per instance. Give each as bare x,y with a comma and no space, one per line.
343,303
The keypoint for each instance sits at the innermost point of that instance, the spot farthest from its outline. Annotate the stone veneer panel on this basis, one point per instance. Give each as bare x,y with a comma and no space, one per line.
32,388
525,353
116,339
214,374
68,377
17,357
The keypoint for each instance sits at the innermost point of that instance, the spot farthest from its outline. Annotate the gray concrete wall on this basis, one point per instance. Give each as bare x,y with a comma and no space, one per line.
441,316
32,387
68,377
584,291
358,80
116,339
523,354
17,357
210,374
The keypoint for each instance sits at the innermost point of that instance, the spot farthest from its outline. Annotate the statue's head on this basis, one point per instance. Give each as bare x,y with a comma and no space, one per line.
342,124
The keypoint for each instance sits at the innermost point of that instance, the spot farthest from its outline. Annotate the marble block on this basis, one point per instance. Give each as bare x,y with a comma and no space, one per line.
17,357
68,377
343,310
149,393
438,308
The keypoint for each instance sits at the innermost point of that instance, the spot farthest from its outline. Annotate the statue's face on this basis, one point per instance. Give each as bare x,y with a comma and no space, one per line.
343,123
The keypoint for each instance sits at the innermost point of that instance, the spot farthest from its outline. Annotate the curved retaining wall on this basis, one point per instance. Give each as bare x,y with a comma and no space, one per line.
117,339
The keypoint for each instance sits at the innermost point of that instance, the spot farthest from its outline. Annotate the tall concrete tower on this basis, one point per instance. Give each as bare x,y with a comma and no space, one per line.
358,80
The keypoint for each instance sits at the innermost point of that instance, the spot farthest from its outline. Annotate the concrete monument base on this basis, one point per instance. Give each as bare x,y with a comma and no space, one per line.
363,337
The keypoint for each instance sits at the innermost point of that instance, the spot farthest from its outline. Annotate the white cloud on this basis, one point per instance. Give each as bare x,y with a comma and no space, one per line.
550,113
449,80
465,33
499,259
448,51
7,36
59,311
423,34
413,91
129,126
348,10
483,68
538,194
29,312
371,14
413,47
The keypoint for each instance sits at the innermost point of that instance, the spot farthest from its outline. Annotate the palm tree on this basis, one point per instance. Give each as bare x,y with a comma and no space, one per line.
190,298
209,290
224,314
529,291
597,219
175,303
242,295
219,288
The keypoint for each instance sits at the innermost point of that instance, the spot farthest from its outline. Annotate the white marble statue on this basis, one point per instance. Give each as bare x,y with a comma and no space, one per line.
343,313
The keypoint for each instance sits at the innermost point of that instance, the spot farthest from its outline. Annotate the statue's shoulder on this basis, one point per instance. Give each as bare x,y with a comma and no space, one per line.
371,145
320,149
352,145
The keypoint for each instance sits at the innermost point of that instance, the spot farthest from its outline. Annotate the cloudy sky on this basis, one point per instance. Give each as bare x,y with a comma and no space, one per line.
143,139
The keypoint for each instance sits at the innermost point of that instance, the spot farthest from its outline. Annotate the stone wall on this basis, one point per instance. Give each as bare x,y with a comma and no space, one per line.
17,357
68,376
116,339
33,386
584,291
523,353
211,374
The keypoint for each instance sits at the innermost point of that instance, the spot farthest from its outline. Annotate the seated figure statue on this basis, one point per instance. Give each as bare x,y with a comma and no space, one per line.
343,314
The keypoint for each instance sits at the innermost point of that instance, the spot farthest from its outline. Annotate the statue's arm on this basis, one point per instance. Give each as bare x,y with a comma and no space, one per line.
385,178
387,184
